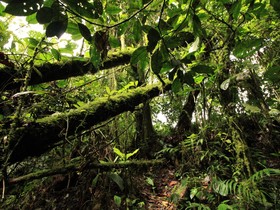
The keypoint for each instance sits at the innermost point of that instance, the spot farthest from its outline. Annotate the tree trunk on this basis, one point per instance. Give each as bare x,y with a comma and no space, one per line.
185,118
145,133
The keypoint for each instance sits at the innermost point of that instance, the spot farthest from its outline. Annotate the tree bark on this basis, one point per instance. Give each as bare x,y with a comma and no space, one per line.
35,138
185,118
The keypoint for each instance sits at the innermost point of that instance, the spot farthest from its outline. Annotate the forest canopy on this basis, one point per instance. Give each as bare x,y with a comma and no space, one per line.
109,95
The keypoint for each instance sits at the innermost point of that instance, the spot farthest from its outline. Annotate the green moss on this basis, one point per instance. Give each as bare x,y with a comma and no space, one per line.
116,53
108,103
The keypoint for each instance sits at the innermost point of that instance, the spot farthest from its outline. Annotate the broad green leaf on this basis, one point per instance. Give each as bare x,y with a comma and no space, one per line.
150,181
131,154
2,8
112,9
153,38
56,28
166,67
272,74
259,10
95,180
70,46
44,15
172,21
139,54
195,45
193,193
62,83
198,79
108,90
235,9
247,48
119,153
203,69
224,206
73,29
48,3
85,32
156,61
23,7
117,200
197,28
251,108
176,85
123,28
118,180
33,42
137,31
56,54
31,19
225,84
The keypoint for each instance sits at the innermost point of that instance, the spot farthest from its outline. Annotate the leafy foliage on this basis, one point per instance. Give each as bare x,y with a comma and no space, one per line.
217,63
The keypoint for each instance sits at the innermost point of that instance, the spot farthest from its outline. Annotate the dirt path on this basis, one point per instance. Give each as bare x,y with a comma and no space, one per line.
159,198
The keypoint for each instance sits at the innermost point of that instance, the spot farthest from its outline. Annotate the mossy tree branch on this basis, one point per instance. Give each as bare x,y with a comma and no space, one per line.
35,138
105,166
12,79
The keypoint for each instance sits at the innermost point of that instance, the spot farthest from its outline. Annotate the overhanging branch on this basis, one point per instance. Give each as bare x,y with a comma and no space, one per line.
35,138
12,79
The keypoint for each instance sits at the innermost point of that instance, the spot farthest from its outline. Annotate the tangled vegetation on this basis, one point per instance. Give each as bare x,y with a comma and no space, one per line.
151,104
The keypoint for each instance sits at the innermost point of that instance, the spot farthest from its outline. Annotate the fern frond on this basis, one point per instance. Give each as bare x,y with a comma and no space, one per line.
259,175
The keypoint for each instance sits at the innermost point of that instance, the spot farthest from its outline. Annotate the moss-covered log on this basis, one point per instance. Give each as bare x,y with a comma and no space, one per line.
75,167
35,138
12,79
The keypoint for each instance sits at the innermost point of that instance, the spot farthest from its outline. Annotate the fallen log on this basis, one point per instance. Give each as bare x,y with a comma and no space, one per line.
104,166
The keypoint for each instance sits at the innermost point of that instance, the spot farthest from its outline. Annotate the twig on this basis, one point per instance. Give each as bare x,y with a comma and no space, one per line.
106,26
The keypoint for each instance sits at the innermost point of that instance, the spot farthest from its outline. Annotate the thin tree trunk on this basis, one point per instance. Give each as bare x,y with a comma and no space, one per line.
185,118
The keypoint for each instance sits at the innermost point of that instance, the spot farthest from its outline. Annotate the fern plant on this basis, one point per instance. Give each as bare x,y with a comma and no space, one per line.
247,192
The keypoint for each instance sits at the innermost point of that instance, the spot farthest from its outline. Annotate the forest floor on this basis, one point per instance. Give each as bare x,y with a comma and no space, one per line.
160,197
